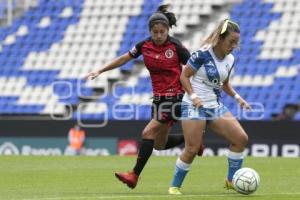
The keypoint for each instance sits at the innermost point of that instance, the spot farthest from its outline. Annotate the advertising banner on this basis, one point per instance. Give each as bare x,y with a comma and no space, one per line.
54,146
266,138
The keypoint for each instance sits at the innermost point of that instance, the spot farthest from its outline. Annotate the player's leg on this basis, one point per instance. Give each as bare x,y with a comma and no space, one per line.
193,134
167,111
162,137
164,140
171,112
229,128
145,151
150,132
193,130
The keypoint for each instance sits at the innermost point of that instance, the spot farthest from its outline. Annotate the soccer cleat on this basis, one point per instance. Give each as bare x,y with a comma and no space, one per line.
228,185
174,191
129,178
201,149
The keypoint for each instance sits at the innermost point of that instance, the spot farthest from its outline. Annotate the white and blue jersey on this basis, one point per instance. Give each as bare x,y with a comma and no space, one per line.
210,73
207,82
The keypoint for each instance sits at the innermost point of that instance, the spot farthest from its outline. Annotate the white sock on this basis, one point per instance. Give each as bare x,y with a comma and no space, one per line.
235,155
183,165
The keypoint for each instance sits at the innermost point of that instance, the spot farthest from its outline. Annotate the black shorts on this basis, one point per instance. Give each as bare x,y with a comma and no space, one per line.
166,109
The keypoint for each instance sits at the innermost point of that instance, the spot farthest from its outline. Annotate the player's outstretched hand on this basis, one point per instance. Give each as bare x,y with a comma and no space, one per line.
91,75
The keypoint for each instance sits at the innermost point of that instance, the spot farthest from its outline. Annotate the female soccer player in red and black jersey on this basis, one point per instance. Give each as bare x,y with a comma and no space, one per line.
163,57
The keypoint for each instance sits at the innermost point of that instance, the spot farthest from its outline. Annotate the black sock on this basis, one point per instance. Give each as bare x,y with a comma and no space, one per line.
145,152
174,140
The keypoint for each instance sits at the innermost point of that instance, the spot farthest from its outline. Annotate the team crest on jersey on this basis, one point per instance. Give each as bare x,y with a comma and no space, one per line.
212,72
169,53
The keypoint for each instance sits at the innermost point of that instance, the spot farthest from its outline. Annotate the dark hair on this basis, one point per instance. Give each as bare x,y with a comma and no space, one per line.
162,15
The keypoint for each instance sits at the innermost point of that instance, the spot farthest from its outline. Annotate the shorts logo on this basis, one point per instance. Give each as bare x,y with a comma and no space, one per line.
169,53
192,112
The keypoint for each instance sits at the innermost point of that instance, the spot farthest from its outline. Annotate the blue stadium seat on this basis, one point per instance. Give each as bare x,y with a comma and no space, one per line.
252,15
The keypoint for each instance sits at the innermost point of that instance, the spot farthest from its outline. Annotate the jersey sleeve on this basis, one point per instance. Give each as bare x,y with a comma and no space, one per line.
196,60
136,51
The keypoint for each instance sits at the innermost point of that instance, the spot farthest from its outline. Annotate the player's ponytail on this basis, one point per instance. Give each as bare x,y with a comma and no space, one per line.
213,38
170,15
162,15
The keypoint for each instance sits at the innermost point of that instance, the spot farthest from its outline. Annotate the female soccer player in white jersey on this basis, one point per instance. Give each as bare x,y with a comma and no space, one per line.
204,76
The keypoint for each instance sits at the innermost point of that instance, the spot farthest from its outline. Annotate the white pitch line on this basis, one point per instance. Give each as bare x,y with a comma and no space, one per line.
153,196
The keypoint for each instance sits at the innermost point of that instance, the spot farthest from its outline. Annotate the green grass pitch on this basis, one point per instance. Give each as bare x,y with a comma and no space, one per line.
92,178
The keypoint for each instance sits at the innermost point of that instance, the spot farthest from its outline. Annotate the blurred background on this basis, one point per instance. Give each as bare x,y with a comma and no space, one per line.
47,46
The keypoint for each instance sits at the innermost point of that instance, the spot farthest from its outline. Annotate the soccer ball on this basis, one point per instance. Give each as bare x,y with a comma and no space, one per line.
245,180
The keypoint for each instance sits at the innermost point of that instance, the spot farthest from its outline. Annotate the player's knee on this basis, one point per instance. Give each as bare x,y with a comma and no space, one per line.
243,140
191,150
148,134
159,146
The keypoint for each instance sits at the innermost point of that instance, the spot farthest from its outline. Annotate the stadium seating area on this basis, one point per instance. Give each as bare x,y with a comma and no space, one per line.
45,53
